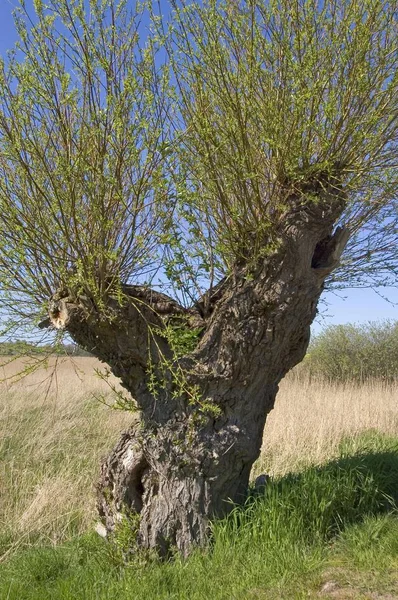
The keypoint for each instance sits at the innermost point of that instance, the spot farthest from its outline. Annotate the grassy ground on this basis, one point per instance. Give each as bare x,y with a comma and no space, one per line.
326,527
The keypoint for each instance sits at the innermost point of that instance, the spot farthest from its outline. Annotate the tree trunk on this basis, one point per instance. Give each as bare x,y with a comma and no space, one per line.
180,475
189,456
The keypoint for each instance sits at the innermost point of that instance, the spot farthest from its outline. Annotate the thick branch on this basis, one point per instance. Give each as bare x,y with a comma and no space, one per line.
126,335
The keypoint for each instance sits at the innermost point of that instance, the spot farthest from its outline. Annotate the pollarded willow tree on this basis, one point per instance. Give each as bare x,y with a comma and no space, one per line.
243,154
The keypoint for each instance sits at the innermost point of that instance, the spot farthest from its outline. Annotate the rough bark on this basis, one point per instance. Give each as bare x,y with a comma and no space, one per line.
182,463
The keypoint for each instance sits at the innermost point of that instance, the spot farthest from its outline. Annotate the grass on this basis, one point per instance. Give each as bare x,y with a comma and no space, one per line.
53,434
326,526
311,418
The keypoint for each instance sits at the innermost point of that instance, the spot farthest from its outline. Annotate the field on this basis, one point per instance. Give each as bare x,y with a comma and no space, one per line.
330,530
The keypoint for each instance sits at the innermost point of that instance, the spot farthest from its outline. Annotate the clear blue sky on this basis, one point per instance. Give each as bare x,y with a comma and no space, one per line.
357,306
7,31
350,306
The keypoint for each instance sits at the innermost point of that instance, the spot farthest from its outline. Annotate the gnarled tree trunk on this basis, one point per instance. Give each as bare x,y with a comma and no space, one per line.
190,454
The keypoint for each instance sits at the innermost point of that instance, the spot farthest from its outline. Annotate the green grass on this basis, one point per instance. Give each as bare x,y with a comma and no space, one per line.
335,523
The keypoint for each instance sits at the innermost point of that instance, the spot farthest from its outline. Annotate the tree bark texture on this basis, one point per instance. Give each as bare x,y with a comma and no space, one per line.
181,464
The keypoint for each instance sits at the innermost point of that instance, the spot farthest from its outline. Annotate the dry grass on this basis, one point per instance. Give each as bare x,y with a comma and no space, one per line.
310,419
53,433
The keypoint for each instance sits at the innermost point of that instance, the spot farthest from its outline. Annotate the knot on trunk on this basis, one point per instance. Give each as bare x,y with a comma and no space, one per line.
120,488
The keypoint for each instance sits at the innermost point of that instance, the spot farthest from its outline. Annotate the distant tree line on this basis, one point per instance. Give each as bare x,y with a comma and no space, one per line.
340,353
24,348
354,353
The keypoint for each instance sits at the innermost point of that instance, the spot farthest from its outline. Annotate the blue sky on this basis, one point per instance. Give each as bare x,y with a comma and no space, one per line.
349,306
7,31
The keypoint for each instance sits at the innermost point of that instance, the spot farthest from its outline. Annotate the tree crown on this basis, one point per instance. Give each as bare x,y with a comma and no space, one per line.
132,144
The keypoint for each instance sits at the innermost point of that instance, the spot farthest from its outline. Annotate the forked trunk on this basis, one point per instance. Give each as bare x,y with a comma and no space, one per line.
189,456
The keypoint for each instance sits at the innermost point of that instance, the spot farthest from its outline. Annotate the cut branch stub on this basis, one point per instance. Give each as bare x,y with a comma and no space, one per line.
62,311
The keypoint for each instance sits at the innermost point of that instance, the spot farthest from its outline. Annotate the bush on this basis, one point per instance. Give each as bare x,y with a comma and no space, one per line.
354,353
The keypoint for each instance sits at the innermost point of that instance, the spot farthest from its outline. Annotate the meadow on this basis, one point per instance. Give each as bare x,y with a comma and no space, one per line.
326,526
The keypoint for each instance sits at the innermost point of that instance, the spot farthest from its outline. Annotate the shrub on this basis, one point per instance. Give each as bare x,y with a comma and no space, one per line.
354,353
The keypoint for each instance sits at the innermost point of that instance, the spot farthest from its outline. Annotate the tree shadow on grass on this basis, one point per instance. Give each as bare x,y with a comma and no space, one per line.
320,501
